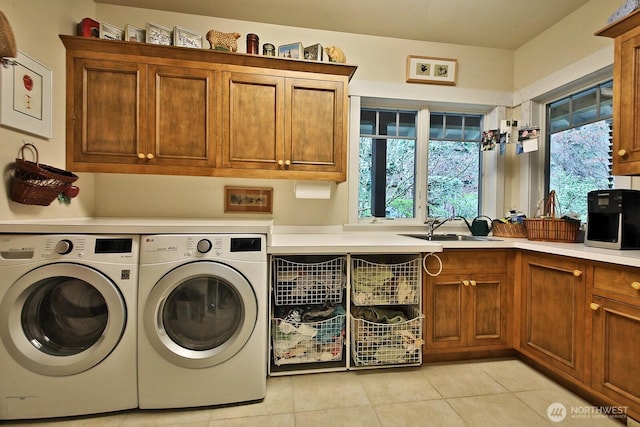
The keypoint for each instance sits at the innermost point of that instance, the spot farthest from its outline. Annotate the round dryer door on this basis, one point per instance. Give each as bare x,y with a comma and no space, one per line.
62,319
200,314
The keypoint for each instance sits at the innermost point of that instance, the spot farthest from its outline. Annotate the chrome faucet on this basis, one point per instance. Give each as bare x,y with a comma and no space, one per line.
434,223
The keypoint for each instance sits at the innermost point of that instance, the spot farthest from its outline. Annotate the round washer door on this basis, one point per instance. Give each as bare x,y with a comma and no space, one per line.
200,314
61,319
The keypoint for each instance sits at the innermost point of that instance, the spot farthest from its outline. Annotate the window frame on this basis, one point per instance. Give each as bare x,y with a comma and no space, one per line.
422,139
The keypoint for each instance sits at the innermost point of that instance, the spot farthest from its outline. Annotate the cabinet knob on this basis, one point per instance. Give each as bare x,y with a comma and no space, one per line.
473,282
141,156
622,153
636,286
280,162
287,163
577,273
150,156
593,306
465,282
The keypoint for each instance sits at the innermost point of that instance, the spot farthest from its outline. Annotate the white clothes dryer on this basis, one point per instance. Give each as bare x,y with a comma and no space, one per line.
67,325
202,329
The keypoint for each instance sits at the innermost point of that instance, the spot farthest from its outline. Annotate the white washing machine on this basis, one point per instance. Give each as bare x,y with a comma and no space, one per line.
202,330
67,325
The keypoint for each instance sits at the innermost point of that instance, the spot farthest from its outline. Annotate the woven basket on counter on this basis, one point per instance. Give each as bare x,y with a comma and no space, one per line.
501,229
550,228
34,183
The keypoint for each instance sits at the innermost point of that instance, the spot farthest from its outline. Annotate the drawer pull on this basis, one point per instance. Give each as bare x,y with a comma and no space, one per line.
636,286
280,162
593,306
141,156
465,282
577,273
473,282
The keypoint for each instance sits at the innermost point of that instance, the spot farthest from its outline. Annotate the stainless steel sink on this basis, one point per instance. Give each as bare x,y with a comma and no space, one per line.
450,237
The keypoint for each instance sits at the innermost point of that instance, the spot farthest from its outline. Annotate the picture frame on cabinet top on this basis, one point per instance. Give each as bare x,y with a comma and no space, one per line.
26,96
186,38
111,32
291,50
134,34
157,34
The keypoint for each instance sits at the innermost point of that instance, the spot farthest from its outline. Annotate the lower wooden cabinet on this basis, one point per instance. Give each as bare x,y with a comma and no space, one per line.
467,307
552,312
615,350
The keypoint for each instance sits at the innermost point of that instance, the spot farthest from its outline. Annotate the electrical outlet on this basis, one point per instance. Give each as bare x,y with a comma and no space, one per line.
514,123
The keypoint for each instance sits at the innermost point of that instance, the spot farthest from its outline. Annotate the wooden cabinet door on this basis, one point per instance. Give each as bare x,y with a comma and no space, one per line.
107,113
182,110
626,130
445,312
616,345
253,121
487,310
553,310
465,310
315,130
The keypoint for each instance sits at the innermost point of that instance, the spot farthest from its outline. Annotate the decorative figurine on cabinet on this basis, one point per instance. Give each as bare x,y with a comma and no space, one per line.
336,54
223,41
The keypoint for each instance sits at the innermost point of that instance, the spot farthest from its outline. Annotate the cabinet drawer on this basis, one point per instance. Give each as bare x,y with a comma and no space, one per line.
470,260
622,280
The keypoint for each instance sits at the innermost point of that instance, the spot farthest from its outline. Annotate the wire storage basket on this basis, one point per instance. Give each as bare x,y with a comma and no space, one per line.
374,283
552,229
34,183
390,336
307,342
308,280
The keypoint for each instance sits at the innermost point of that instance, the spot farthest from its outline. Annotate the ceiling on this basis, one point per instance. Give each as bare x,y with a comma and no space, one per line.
506,24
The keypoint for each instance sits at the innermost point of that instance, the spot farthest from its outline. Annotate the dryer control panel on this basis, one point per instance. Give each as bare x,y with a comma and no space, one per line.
173,247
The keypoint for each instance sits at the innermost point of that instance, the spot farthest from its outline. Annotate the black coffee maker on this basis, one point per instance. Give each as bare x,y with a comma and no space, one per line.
613,219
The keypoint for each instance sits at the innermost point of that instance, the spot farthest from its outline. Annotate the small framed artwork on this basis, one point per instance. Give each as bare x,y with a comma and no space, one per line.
186,38
248,199
425,69
313,52
26,96
292,50
157,34
134,34
111,32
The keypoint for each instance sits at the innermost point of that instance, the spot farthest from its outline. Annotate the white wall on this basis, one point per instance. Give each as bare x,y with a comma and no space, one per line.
486,77
36,25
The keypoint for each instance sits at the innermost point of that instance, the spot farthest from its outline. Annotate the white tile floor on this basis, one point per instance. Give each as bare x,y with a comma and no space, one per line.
484,393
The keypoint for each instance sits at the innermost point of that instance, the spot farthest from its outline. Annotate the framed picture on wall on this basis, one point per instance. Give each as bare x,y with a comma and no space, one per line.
26,96
248,199
425,69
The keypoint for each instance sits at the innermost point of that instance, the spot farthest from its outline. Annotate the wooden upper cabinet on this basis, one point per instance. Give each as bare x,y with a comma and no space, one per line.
253,118
142,108
182,124
105,123
291,125
626,93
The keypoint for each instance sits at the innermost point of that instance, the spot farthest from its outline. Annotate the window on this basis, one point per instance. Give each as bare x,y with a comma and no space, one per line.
396,175
454,165
578,156
387,164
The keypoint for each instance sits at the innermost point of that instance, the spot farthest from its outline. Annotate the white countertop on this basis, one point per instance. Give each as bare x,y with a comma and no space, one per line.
118,225
307,240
